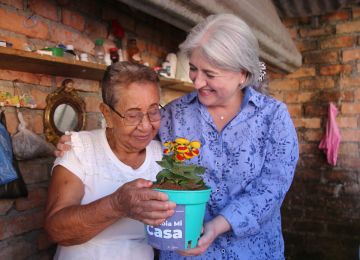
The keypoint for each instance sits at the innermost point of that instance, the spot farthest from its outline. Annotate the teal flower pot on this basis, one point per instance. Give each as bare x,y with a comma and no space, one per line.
183,229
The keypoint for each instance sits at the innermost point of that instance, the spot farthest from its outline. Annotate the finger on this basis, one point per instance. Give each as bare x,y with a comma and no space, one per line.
65,138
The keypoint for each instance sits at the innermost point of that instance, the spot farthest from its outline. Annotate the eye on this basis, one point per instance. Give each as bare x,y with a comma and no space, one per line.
133,115
192,68
209,75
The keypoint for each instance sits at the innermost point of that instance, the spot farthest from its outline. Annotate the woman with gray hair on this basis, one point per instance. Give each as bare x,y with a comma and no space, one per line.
250,146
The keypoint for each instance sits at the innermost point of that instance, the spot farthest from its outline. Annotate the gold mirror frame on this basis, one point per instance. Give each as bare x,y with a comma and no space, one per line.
65,95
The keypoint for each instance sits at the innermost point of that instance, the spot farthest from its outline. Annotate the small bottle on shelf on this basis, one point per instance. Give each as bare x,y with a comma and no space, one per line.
99,51
69,52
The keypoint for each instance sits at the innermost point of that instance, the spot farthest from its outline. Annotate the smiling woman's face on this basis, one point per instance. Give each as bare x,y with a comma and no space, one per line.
137,97
216,87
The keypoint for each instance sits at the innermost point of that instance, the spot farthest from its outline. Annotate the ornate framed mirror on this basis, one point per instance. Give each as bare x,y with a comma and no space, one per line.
65,111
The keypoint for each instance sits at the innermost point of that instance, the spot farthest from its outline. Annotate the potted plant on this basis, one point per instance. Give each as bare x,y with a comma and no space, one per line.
184,185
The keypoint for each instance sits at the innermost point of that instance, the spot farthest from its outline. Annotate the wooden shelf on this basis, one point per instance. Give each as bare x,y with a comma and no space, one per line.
19,60
176,84
26,61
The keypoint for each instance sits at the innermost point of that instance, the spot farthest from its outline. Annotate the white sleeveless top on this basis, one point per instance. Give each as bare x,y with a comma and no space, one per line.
102,173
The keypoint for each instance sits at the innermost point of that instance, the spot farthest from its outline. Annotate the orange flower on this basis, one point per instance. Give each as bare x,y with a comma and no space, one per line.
179,158
166,151
182,149
196,152
188,155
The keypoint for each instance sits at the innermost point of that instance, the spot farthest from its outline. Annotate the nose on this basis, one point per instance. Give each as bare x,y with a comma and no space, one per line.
145,123
199,81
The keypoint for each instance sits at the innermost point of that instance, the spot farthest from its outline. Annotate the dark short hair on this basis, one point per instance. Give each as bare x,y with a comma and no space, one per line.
122,74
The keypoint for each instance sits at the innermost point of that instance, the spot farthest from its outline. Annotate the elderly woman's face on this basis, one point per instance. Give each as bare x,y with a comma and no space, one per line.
216,87
133,100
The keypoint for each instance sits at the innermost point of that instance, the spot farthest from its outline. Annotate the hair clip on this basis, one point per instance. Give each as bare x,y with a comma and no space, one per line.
262,71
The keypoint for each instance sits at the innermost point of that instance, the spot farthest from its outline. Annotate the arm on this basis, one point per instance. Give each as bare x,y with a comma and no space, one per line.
69,223
265,194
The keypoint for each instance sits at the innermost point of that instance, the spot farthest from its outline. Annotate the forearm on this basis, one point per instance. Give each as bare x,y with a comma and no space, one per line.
221,225
77,224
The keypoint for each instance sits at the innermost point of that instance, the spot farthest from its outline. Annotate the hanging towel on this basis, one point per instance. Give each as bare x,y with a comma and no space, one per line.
331,141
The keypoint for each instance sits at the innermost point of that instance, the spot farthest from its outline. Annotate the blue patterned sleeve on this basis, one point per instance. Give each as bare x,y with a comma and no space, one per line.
264,195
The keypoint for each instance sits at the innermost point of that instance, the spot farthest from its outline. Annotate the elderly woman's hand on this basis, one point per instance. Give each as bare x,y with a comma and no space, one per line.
136,200
63,146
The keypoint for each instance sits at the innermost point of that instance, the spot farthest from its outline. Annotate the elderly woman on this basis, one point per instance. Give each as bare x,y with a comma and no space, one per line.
93,201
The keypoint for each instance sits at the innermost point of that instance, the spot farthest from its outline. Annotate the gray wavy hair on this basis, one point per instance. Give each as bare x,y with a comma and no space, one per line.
229,44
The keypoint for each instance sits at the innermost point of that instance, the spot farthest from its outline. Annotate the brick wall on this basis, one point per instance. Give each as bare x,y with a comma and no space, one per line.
321,213
67,22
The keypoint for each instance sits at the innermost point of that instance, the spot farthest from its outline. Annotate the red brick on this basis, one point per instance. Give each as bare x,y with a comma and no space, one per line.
349,55
309,123
20,249
44,8
349,135
349,27
357,95
15,3
299,97
92,103
80,42
321,57
337,16
350,108
82,84
21,224
349,82
338,42
14,22
349,149
93,121
35,171
5,206
96,29
317,83
73,19
335,69
18,41
25,77
356,12
168,95
349,163
329,96
284,84
306,45
307,32
36,198
294,110
315,110
308,148
11,120
313,135
40,98
346,122
358,67
303,73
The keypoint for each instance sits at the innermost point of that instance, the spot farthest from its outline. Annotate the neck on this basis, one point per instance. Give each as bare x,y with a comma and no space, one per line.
223,114
130,157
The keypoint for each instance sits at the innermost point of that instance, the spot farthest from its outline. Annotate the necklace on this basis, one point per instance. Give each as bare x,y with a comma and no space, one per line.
221,117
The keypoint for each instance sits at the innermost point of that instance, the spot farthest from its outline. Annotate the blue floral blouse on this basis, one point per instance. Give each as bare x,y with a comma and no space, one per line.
250,166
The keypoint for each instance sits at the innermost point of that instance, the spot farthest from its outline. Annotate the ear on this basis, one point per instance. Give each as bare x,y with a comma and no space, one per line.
105,110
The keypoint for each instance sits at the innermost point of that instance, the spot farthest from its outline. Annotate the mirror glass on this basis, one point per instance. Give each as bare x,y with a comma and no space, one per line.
65,118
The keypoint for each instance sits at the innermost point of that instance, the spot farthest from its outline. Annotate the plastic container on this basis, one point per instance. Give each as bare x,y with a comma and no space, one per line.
69,52
99,51
183,229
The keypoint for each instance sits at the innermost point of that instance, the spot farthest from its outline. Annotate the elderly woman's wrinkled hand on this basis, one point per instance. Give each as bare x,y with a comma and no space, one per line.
63,145
138,201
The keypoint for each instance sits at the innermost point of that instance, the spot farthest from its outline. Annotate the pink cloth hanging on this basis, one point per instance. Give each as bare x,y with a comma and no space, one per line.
331,141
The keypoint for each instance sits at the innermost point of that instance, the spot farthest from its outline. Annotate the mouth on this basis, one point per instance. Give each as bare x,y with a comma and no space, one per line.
206,91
